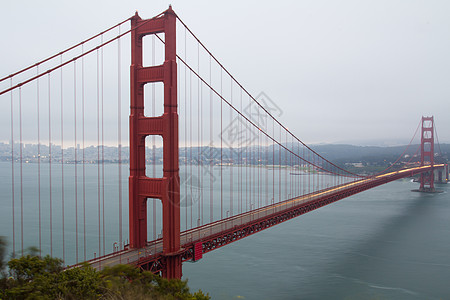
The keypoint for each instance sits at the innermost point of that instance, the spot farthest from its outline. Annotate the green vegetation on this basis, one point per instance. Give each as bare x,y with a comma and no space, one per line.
34,277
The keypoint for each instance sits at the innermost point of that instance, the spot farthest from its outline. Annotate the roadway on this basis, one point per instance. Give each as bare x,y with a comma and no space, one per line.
154,249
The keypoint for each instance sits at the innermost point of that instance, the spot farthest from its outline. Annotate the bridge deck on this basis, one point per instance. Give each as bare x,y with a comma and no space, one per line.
220,233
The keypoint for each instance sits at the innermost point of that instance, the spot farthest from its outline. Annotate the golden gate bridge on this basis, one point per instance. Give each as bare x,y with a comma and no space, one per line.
242,170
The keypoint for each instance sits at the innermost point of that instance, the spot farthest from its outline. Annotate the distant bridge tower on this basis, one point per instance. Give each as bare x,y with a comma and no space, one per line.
427,154
167,188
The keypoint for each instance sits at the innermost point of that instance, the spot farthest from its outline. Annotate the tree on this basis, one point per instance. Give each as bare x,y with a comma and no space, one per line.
35,277
2,254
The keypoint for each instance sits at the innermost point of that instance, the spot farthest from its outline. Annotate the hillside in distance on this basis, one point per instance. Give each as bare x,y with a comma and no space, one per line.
352,154
340,154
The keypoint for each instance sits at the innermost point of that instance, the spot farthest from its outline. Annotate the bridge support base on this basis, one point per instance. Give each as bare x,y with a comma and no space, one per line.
428,191
173,267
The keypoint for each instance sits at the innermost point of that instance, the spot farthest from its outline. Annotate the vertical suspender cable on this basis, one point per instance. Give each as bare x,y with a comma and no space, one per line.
319,174
231,151
103,148
119,136
211,162
191,120
221,149
201,145
313,172
98,157
317,162
247,169
75,154
21,167
315,177
198,135
292,163
240,157
266,146
62,164
12,174
309,171
50,163
299,163
84,154
199,141
257,157
290,167
279,170
257,162
179,97
304,170
296,163
250,161
321,178
185,133
39,160
273,163
285,164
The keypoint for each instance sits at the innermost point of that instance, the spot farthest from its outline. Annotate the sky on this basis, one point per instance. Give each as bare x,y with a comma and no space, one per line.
350,71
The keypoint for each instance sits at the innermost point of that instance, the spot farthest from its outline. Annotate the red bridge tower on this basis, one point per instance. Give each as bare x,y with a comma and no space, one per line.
141,187
427,154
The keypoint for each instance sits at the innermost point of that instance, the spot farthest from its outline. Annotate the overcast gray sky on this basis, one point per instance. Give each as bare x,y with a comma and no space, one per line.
342,71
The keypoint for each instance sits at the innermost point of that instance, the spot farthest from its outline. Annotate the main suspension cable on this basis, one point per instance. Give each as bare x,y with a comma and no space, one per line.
401,155
62,52
259,104
48,71
264,132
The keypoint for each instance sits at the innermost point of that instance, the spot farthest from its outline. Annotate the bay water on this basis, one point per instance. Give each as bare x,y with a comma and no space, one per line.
385,243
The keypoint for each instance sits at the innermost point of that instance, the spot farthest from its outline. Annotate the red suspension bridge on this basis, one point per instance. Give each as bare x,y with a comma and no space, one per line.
209,164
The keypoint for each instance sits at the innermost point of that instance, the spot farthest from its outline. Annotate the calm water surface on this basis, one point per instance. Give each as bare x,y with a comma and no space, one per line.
385,243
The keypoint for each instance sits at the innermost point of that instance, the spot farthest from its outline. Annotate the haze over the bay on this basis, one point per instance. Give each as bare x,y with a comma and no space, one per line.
351,71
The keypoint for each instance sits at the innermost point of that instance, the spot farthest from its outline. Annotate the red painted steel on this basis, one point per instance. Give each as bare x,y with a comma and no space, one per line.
141,187
198,251
427,153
